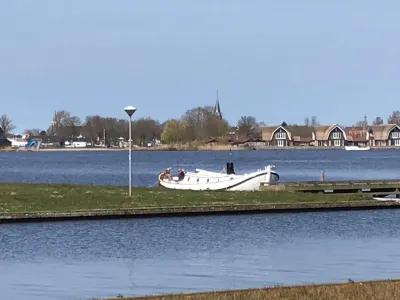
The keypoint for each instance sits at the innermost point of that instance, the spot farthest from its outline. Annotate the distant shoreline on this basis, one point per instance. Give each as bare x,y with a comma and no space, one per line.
187,148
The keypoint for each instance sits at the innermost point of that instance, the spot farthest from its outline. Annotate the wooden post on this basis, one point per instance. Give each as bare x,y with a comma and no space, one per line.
322,176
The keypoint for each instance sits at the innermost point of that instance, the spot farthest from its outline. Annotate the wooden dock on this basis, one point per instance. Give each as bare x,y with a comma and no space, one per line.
373,187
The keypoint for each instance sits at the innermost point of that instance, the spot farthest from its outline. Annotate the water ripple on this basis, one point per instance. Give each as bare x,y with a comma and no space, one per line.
112,167
73,260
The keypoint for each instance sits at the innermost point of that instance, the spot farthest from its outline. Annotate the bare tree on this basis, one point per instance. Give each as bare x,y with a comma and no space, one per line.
377,121
143,130
307,121
94,127
73,126
61,119
6,124
394,118
248,127
314,121
146,129
33,132
202,122
64,124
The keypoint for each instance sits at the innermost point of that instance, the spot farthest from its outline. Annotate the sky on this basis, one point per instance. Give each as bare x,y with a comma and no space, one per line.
274,60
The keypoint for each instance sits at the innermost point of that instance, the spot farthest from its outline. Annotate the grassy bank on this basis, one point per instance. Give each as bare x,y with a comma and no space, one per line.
367,290
25,197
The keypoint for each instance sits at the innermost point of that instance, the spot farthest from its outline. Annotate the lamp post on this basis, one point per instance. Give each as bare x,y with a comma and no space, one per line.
130,110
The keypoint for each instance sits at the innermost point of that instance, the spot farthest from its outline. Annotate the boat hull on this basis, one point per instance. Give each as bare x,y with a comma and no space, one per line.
205,180
356,148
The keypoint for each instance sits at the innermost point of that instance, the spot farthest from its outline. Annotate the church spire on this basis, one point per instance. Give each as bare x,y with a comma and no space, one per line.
217,108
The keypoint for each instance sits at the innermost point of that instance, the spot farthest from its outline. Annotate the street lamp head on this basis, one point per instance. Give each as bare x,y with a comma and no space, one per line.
130,110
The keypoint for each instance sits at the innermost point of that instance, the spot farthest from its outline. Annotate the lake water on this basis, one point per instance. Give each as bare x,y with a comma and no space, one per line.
83,259
111,167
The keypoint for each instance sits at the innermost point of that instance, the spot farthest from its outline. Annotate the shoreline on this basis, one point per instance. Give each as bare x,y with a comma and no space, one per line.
183,148
193,211
360,290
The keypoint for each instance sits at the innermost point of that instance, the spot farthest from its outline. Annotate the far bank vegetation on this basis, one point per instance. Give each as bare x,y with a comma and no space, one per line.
193,129
196,128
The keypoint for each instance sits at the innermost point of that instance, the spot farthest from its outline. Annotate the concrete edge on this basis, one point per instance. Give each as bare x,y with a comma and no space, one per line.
195,211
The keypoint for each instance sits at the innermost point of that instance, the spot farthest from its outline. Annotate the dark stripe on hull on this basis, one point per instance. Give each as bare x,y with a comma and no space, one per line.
237,184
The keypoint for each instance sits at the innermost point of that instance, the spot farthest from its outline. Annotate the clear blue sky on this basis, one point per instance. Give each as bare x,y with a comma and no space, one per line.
275,60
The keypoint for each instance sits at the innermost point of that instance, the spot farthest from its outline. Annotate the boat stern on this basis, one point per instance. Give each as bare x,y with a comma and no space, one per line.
271,176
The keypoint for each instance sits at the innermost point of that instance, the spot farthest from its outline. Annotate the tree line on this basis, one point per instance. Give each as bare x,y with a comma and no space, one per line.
196,124
393,118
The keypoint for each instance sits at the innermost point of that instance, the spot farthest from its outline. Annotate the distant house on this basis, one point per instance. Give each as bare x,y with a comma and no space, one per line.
301,135
275,136
76,142
293,135
51,141
330,135
384,135
357,136
250,142
238,142
4,142
255,142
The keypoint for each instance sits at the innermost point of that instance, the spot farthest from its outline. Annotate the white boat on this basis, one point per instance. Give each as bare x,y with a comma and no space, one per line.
227,180
16,143
356,148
